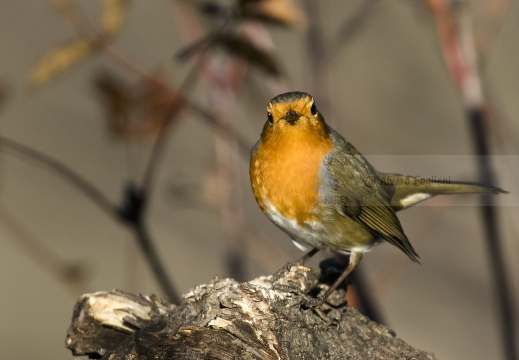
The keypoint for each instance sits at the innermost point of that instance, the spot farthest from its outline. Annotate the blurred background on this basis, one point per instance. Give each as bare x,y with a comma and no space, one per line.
125,124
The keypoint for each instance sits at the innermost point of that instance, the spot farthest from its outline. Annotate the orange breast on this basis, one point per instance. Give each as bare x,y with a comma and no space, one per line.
284,171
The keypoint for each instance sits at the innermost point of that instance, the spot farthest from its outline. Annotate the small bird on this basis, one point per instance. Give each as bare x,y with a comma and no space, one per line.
319,189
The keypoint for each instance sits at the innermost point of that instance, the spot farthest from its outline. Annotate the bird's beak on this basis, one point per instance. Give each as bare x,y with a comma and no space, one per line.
291,117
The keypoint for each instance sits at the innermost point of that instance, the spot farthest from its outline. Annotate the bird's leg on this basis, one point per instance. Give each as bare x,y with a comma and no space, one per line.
299,262
355,258
305,257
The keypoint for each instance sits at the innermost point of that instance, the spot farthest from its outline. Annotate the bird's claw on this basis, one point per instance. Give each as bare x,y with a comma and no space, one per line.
311,302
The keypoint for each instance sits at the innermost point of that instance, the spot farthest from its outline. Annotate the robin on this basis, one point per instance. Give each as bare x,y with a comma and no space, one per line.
319,189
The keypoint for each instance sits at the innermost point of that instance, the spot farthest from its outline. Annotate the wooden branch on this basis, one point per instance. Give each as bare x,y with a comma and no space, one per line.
265,318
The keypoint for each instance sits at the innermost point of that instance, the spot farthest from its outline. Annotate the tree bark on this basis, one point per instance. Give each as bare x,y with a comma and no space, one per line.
265,318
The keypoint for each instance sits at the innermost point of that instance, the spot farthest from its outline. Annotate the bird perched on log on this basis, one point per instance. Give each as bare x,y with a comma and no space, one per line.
319,189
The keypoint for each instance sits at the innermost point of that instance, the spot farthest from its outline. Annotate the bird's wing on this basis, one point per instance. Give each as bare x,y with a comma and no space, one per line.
349,175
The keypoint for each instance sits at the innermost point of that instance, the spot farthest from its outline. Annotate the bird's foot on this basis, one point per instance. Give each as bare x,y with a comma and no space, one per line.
312,302
323,309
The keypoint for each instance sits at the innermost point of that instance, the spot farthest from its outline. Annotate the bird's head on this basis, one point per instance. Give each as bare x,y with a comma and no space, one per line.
293,113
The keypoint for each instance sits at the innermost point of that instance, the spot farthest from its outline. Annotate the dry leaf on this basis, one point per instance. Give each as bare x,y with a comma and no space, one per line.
281,12
243,47
118,99
60,59
113,16
157,110
134,111
237,45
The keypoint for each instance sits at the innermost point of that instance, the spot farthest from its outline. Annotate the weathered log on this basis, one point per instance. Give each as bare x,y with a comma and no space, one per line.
265,318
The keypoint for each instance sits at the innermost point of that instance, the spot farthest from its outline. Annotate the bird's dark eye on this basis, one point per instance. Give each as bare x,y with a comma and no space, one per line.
269,117
313,109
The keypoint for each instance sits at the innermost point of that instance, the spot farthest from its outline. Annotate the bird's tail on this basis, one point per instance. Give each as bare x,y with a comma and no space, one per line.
410,190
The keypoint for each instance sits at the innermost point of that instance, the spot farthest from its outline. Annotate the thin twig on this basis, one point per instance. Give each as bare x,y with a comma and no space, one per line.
61,169
137,195
224,130
145,76
97,197
317,53
351,26
160,141
225,79
133,213
490,218
71,274
155,263
478,119
158,146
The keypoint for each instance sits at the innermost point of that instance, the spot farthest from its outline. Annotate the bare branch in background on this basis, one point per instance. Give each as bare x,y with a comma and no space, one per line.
320,52
456,35
131,211
225,45
352,25
230,196
317,53
71,274
156,104
62,170
225,74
